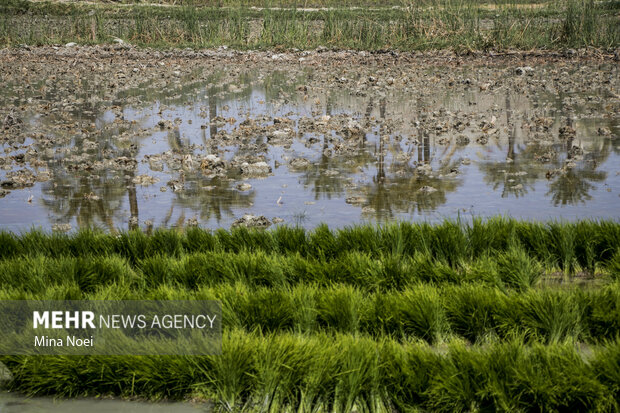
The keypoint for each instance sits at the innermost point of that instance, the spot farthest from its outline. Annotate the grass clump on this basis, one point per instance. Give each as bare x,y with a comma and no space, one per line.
517,269
284,372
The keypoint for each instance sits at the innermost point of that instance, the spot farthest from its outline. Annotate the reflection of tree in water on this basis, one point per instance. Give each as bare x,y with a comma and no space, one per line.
328,178
573,185
211,198
571,179
406,189
516,173
402,187
71,198
96,198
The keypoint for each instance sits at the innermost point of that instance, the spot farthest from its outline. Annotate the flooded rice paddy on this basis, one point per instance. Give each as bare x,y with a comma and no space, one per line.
120,138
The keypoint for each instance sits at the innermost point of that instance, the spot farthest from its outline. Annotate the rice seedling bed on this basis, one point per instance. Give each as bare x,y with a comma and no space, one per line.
405,317
343,373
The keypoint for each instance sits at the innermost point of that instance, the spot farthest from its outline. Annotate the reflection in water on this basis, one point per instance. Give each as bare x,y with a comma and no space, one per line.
376,156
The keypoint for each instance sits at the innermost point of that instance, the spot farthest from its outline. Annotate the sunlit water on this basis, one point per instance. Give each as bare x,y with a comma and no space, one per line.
511,167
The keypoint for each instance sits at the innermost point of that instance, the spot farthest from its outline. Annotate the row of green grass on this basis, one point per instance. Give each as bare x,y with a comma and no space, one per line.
455,316
457,24
473,312
569,246
513,269
344,373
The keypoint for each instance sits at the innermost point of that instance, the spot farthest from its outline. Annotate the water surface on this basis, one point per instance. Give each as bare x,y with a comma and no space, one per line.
433,144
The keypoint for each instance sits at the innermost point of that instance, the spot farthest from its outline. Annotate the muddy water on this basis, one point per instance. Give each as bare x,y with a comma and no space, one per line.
11,403
204,144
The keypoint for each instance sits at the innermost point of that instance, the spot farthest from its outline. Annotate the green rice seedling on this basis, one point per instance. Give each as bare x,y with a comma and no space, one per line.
132,245
605,365
234,300
9,246
517,269
546,315
485,270
318,373
472,310
460,382
533,237
613,266
586,245
579,22
269,310
256,268
556,378
397,273
36,242
406,372
230,378
340,308
421,313
607,235
393,237
562,243
215,267
89,242
289,240
91,272
166,292
342,373
602,312
383,316
427,269
358,378
198,240
488,236
304,308
66,291
355,268
448,243
157,270
362,239
501,361
225,241
282,362
206,269
244,239
434,25
322,243
165,242
27,274
297,270
114,291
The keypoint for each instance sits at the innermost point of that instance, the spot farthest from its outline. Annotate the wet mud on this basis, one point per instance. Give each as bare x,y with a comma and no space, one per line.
118,137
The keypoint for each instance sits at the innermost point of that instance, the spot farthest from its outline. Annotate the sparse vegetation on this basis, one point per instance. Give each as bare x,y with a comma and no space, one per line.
435,24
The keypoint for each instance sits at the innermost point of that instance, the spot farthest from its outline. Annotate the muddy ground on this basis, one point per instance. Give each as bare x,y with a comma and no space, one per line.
365,135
